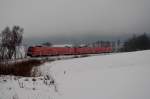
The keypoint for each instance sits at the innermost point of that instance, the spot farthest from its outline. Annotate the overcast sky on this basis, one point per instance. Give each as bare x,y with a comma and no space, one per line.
42,18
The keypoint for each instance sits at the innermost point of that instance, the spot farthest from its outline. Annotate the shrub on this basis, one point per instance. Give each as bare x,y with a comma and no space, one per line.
22,68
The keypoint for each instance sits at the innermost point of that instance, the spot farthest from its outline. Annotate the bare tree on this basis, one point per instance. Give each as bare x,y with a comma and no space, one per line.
5,43
10,39
16,38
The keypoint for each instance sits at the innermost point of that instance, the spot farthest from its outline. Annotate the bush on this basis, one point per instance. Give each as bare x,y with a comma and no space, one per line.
23,68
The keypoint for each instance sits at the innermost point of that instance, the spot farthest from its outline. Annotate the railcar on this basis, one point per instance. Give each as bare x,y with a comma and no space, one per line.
54,51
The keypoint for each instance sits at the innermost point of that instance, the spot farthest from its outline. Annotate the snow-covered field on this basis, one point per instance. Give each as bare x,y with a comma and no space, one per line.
115,76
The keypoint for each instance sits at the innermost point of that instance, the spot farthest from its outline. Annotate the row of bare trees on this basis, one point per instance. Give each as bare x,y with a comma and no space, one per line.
10,39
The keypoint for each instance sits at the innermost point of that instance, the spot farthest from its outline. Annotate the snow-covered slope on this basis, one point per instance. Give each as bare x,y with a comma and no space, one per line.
115,76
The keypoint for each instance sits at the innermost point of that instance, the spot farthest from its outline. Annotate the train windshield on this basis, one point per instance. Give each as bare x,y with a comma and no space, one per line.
30,49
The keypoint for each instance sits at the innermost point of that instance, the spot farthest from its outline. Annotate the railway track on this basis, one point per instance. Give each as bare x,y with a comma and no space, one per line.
52,58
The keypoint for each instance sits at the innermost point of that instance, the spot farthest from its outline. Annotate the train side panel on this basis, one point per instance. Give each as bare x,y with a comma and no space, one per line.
54,51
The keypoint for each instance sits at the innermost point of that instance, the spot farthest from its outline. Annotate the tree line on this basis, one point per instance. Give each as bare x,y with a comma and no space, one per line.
135,43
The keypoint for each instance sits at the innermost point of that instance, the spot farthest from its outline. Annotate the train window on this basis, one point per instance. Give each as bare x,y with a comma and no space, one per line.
30,48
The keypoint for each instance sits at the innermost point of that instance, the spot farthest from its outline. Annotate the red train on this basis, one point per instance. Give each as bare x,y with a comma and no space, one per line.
54,51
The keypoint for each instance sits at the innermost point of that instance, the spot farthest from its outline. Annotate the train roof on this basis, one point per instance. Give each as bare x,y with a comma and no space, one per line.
62,45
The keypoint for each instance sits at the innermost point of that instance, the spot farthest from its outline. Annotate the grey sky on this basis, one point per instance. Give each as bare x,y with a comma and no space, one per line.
42,18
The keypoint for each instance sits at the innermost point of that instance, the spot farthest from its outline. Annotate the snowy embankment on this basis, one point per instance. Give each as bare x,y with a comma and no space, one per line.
116,76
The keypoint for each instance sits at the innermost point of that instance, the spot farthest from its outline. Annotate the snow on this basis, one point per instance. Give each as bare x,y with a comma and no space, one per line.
114,76
24,88
117,76
62,45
